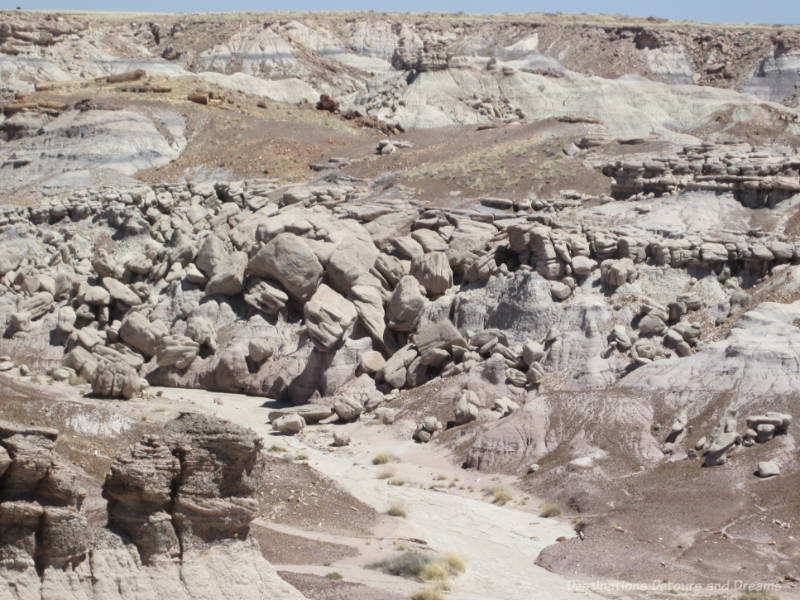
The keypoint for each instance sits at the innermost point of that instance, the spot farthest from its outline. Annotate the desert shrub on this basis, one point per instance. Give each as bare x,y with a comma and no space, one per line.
386,473
500,495
384,458
454,562
423,566
396,509
428,593
334,576
548,509
408,564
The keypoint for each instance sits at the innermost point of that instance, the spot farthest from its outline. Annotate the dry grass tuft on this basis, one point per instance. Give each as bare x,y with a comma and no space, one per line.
428,593
384,458
548,509
454,562
396,509
386,473
500,495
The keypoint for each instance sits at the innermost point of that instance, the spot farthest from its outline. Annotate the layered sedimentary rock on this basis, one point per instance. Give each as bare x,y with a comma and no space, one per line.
184,499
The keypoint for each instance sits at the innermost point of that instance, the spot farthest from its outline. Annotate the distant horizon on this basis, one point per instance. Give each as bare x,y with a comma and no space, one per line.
734,12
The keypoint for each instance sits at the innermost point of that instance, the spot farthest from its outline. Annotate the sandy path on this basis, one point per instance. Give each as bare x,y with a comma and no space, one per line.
499,544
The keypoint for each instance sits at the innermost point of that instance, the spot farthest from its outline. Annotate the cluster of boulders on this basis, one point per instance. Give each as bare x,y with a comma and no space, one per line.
726,438
196,256
756,176
334,294
563,253
468,408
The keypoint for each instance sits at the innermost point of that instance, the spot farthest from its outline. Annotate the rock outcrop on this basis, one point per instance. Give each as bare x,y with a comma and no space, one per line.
185,498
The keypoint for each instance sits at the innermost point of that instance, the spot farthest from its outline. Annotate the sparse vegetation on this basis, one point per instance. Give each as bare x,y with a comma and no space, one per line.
396,509
384,458
758,595
334,576
500,495
275,449
428,593
434,571
423,566
386,473
397,481
454,562
549,509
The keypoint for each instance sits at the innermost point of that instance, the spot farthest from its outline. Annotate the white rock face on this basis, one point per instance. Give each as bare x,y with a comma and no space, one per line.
117,143
757,356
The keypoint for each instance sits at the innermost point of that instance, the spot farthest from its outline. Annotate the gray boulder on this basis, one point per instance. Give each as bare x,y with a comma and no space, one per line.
341,438
768,468
395,370
211,253
141,333
228,276
116,380
265,296
721,446
260,350
121,292
406,305
311,413
289,424
176,351
329,315
37,305
288,259
347,408
433,271
202,331
351,260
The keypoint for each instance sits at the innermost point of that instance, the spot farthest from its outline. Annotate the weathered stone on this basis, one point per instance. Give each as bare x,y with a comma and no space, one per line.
371,362
228,275
176,351
202,331
289,260
265,296
289,424
328,317
121,292
260,350
341,438
141,333
721,446
768,468
311,413
116,380
433,271
347,408
406,305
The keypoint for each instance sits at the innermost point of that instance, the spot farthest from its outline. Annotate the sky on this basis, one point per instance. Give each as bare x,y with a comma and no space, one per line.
785,12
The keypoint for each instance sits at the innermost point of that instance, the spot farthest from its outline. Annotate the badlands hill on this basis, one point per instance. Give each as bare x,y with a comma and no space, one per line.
381,306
